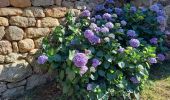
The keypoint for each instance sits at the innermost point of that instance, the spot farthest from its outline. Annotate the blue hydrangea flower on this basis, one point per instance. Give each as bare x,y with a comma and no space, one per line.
93,19
123,22
121,50
107,16
83,70
89,87
134,43
154,41
118,11
95,62
100,7
104,30
94,39
109,10
109,25
121,30
161,57
161,13
154,7
167,33
134,80
80,59
42,59
88,33
86,13
131,33
98,17
152,60
133,9
161,20
109,1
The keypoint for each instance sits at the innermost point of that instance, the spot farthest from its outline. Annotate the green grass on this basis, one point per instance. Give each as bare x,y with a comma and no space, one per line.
158,87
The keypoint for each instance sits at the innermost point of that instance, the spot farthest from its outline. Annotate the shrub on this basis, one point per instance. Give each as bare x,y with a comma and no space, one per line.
106,54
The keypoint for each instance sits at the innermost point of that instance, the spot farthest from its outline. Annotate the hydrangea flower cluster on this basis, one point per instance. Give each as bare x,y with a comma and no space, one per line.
112,44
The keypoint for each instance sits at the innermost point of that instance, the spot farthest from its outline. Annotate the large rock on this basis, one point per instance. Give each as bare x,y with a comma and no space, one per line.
48,22
37,32
17,84
42,2
20,3
3,21
38,42
26,45
15,72
4,3
12,57
68,4
2,59
58,2
55,11
3,87
5,47
10,11
2,32
33,12
14,33
15,47
22,21
13,92
36,80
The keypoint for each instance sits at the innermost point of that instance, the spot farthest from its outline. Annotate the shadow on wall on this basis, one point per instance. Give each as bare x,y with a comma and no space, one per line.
22,75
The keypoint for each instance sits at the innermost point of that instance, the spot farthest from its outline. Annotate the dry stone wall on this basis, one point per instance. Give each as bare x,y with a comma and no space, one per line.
23,25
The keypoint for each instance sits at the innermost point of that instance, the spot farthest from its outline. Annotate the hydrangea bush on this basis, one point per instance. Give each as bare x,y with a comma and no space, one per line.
106,54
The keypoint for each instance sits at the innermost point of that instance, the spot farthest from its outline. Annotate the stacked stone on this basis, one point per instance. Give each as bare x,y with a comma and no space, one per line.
23,25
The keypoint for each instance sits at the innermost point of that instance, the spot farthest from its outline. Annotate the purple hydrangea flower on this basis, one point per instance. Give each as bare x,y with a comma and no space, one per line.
152,60
86,13
104,30
97,29
98,17
121,50
83,70
161,20
88,33
80,59
107,16
134,80
89,87
42,59
133,9
161,57
109,25
94,39
134,43
93,26
162,28
95,62
167,33
118,11
154,7
154,41
131,33
123,23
